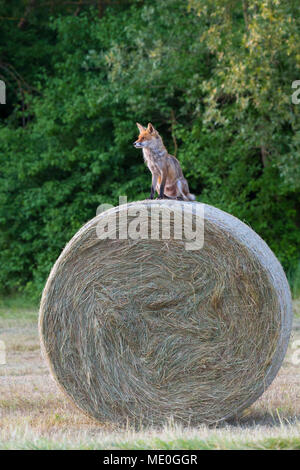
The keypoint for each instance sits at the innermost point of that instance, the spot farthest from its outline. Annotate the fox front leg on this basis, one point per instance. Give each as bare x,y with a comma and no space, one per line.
162,187
153,186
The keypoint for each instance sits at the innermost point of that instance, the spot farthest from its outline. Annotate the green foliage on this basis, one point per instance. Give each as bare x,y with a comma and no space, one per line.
294,280
215,81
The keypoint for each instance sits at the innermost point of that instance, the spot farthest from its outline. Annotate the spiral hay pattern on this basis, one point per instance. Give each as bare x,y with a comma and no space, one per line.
143,330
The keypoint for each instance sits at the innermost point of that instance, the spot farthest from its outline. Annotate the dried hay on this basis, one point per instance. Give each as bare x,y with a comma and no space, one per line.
143,330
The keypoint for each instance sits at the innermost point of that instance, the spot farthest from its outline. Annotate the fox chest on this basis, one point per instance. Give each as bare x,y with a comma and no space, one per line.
153,162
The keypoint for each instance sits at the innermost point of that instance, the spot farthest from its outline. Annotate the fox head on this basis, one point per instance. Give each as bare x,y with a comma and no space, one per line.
147,137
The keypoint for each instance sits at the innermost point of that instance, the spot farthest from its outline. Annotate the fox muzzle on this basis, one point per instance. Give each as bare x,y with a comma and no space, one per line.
137,144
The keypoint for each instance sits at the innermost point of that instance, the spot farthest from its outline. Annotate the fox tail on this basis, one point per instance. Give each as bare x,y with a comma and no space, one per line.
184,191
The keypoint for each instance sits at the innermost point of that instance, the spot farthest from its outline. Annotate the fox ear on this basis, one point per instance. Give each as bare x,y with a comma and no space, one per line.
150,128
141,128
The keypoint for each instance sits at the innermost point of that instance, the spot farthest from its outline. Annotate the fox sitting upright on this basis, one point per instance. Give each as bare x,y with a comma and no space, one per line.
167,176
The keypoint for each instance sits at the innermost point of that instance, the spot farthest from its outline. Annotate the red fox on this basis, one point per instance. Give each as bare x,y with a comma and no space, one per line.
167,176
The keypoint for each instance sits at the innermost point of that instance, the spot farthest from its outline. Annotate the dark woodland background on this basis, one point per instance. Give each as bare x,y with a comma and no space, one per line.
215,78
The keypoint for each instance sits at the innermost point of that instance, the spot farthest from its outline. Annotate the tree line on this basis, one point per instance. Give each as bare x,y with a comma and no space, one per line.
214,77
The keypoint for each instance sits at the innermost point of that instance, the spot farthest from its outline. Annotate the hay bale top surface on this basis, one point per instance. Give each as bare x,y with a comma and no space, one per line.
143,329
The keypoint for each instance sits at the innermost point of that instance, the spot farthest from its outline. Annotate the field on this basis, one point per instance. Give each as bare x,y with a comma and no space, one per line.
35,415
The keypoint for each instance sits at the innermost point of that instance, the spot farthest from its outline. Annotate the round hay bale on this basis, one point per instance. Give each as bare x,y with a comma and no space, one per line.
140,330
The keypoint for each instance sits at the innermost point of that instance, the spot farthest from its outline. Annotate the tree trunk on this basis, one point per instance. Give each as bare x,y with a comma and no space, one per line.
264,155
245,13
29,8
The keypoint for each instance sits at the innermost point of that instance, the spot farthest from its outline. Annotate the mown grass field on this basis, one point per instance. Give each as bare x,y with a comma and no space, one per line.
35,415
